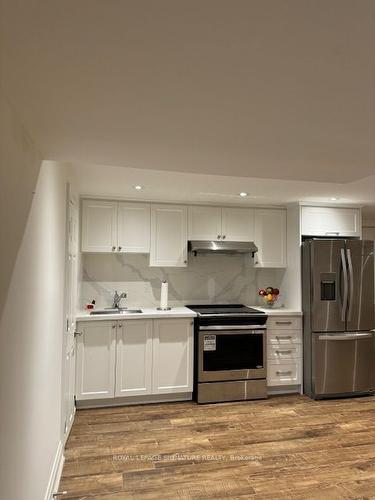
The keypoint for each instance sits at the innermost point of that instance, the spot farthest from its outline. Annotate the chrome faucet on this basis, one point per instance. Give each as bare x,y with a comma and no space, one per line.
117,298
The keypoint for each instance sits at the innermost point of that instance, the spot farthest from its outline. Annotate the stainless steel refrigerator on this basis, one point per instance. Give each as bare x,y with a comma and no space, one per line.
338,307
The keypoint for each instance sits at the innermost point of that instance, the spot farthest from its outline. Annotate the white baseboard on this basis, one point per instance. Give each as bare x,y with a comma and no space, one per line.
134,400
55,476
66,436
284,389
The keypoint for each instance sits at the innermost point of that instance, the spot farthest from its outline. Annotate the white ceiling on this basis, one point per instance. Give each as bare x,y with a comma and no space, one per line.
119,182
279,89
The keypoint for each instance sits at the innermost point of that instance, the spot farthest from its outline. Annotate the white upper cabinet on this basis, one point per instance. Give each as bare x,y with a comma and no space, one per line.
216,223
133,227
331,221
204,223
237,224
95,369
111,226
99,226
163,230
270,237
172,356
134,358
168,236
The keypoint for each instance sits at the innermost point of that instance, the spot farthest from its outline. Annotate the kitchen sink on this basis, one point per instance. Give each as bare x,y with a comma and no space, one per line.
116,311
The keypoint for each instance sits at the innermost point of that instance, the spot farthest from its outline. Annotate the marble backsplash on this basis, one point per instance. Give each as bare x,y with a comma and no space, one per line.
206,279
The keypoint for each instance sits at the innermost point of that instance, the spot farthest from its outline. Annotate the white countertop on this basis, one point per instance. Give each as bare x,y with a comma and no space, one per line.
278,311
147,313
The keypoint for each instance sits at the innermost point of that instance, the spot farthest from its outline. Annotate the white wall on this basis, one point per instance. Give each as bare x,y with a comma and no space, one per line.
20,162
31,345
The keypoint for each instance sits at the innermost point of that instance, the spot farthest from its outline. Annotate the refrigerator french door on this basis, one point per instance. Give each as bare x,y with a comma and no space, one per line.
338,304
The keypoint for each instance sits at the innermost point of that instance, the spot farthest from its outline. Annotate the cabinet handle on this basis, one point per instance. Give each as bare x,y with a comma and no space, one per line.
289,372
224,237
284,352
283,322
119,249
283,337
335,233
113,326
78,334
218,236
113,249
120,325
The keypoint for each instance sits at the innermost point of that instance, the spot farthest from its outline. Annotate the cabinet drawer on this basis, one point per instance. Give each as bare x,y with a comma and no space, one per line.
284,373
281,338
284,323
288,352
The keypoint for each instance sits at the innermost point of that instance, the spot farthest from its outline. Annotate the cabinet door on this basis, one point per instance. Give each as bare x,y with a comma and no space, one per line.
168,236
71,355
238,224
204,223
134,358
95,370
71,279
270,238
172,356
71,276
134,227
99,226
69,389
331,221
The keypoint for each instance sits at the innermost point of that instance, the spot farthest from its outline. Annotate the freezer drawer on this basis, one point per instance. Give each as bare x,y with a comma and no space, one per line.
343,363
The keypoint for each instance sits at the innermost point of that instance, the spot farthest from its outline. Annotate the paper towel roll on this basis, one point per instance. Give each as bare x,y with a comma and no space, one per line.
164,295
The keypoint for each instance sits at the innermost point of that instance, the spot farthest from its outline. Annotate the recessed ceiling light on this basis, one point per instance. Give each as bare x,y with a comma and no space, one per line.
243,194
138,187
333,198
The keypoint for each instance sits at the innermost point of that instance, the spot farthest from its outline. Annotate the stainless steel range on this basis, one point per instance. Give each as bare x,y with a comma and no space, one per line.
230,353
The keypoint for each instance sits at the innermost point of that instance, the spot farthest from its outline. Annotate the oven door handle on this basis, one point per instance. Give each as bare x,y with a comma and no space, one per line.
231,327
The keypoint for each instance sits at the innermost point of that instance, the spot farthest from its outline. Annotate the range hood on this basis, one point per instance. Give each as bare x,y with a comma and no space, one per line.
226,247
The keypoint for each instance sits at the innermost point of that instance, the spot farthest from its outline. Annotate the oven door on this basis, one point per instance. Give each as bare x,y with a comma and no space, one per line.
235,352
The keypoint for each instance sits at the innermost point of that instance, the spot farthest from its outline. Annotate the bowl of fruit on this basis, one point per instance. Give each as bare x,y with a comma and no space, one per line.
270,295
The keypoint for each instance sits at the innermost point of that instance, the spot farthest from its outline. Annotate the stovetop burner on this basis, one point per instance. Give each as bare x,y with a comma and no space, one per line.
224,310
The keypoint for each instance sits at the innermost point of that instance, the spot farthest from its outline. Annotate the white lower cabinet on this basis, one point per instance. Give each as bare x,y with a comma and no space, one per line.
284,373
134,358
172,367
96,352
284,352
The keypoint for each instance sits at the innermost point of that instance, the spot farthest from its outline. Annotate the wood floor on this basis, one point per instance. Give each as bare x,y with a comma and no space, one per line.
284,447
